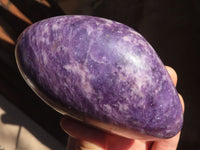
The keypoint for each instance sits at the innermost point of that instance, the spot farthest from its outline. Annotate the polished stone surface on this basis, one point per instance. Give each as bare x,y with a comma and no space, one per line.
101,69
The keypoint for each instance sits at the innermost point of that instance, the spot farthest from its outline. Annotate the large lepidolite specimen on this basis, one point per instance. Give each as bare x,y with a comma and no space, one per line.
100,69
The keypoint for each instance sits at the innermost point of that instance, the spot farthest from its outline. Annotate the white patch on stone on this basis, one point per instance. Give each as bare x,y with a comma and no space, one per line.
84,73
137,61
142,42
141,104
108,22
43,38
90,29
45,28
120,31
55,26
107,108
127,38
123,107
77,17
44,55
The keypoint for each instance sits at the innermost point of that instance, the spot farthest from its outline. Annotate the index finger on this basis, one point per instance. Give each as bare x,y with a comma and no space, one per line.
172,74
174,78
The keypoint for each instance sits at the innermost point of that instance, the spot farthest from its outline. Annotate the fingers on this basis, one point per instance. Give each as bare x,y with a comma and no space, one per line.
88,137
116,142
172,74
172,143
168,144
72,143
77,144
87,145
174,78
182,102
139,145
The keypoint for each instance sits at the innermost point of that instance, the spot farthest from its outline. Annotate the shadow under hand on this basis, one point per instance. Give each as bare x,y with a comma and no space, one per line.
14,116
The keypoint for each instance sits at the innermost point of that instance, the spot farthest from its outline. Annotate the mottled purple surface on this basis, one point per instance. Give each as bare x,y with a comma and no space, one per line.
102,69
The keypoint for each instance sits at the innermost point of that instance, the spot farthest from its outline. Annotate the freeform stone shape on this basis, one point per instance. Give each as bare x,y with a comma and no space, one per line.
101,72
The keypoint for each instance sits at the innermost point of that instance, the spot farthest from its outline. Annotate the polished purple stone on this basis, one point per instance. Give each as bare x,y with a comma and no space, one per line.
101,69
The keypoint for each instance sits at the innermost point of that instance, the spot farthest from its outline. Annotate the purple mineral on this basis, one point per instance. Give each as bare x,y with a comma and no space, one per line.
100,71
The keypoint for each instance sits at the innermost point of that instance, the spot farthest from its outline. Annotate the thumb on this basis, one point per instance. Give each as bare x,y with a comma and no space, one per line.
82,136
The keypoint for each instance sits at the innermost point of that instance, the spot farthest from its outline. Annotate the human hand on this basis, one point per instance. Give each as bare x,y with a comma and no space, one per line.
85,137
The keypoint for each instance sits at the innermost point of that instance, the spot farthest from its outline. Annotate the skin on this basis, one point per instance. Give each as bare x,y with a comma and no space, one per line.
85,137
